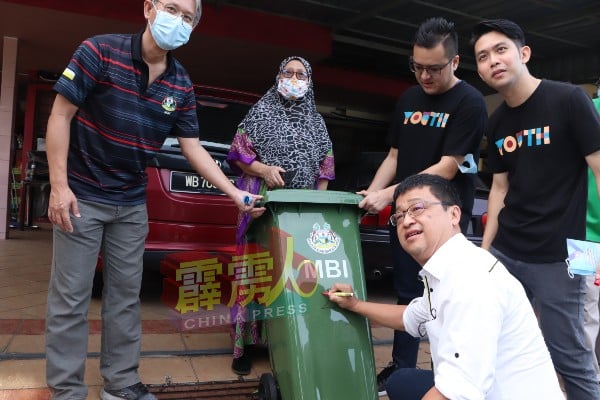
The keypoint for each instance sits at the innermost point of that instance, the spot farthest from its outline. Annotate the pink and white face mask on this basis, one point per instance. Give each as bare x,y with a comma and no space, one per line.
292,89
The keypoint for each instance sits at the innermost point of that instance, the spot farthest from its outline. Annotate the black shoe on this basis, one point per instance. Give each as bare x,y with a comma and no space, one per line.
242,365
383,376
133,392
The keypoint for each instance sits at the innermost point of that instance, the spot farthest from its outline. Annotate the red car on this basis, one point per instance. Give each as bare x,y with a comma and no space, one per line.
185,211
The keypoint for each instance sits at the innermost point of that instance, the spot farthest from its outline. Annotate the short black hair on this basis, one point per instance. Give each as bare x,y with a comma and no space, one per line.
507,27
440,187
435,31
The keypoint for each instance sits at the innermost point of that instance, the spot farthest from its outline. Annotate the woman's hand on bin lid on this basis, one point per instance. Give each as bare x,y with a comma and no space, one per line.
272,175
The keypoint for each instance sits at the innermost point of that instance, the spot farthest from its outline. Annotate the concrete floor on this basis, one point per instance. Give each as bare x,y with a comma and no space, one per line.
168,355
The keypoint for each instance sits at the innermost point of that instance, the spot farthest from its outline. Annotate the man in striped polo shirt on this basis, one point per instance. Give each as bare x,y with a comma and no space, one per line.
117,100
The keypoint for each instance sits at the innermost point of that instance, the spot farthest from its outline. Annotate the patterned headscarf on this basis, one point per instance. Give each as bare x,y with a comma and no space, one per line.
289,133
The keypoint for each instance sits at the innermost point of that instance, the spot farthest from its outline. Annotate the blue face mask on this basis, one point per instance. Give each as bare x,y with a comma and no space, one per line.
468,166
583,257
169,31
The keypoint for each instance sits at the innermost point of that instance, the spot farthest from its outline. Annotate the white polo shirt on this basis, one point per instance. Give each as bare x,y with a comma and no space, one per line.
484,338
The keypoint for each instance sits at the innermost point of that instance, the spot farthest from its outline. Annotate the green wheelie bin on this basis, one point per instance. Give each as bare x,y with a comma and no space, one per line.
317,350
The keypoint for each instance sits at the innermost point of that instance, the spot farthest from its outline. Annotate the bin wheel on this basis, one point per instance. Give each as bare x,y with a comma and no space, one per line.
267,389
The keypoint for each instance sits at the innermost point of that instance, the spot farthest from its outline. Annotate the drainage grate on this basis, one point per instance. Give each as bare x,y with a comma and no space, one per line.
231,390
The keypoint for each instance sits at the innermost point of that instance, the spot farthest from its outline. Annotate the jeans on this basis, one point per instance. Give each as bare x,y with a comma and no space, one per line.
409,384
591,321
558,302
120,232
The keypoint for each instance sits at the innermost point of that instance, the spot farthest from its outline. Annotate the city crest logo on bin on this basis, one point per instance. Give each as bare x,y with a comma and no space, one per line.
323,240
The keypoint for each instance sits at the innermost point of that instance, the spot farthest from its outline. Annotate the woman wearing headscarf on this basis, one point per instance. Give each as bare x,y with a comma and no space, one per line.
281,143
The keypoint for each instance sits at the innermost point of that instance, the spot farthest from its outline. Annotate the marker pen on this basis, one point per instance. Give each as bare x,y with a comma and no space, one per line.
343,294
339,294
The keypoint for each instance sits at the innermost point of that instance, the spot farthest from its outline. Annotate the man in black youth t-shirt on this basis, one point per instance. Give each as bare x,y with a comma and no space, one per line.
541,140
436,124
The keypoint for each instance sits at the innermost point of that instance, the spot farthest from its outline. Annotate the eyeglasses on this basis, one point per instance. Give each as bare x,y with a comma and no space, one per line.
300,75
430,69
414,211
174,10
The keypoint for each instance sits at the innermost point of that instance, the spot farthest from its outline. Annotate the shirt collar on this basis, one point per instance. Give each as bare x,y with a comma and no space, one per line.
136,47
136,51
437,265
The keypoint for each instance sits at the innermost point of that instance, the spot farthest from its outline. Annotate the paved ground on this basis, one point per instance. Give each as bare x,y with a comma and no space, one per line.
171,360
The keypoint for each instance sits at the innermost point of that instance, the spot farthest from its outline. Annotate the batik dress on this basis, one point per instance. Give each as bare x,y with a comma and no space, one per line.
287,133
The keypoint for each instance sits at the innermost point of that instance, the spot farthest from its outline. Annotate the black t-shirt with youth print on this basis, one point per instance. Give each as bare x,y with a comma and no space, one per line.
426,127
541,144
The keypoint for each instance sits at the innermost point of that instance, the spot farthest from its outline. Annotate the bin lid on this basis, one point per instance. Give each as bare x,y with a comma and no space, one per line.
311,196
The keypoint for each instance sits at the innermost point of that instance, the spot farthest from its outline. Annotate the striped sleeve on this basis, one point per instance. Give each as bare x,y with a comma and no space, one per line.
82,74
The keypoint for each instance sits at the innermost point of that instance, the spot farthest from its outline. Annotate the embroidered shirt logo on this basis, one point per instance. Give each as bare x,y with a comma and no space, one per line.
323,240
169,104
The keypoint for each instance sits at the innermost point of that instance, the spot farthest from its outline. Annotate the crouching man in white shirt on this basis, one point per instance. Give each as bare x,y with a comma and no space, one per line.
484,338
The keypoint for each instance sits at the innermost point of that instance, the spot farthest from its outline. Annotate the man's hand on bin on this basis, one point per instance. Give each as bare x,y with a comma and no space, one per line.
256,212
246,201
343,295
253,205
375,200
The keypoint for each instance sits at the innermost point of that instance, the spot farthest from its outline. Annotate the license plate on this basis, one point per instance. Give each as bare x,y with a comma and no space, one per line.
189,182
